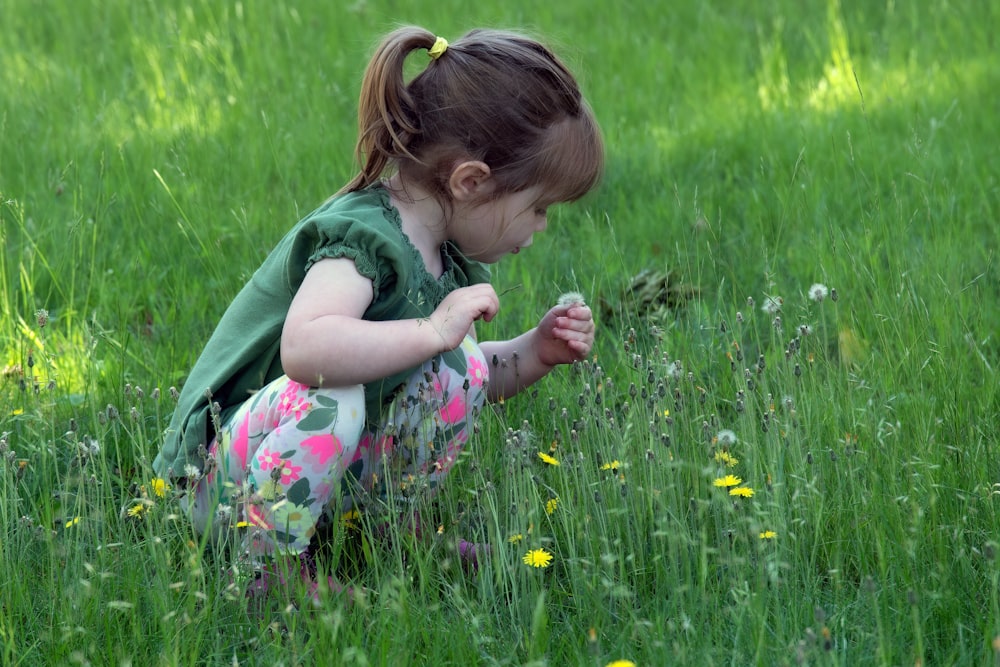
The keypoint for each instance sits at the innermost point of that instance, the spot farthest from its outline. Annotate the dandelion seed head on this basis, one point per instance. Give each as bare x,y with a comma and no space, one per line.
726,438
772,304
818,292
569,298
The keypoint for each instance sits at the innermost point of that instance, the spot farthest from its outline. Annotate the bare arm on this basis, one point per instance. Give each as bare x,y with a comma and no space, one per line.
325,341
564,335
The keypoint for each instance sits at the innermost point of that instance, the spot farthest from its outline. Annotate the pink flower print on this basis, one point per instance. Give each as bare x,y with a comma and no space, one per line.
290,403
269,459
256,516
321,449
289,472
478,373
454,411
238,447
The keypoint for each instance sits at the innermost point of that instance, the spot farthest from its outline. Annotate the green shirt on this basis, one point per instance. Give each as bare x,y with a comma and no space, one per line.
242,354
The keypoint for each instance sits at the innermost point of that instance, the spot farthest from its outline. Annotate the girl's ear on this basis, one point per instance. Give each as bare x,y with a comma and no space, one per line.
470,180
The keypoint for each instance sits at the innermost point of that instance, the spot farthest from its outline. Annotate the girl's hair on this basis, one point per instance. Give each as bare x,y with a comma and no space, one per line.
494,96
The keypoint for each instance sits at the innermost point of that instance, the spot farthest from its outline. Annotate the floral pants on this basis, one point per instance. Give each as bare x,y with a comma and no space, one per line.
293,453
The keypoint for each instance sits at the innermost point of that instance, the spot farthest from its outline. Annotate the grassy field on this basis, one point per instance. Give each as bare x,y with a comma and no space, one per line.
152,152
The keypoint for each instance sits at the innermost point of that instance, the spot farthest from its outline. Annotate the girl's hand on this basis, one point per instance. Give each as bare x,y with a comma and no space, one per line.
453,319
565,334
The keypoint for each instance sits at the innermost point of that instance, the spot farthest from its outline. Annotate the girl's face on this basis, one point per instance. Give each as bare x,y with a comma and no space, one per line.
488,232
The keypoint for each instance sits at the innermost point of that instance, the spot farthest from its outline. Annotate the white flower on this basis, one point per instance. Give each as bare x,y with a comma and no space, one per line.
569,298
772,304
818,292
725,438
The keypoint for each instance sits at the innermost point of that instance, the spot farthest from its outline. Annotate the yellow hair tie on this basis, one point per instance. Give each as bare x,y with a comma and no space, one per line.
440,46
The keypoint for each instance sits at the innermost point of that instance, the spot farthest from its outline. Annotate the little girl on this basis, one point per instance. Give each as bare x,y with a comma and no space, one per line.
351,355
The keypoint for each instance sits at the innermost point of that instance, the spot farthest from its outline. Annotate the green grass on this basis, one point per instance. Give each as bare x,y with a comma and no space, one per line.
152,153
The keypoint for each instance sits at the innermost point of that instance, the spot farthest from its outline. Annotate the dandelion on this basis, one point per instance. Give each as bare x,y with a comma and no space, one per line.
160,487
728,480
620,663
613,466
742,492
548,458
726,458
772,304
725,438
242,524
569,298
72,522
818,292
137,511
768,535
515,538
551,505
537,558
349,519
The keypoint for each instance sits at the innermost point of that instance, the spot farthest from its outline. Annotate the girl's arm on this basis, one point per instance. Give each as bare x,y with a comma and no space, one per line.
326,343
564,335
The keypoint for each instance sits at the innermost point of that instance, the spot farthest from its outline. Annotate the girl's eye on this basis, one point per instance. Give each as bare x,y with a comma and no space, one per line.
541,212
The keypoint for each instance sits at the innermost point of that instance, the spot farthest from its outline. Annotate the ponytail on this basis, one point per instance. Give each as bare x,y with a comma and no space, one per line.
387,119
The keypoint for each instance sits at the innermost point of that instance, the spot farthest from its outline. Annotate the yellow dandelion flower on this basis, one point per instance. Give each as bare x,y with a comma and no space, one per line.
72,522
548,458
242,524
551,505
350,518
726,458
515,538
620,663
728,480
537,558
742,491
17,412
613,466
160,487
137,511
768,535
